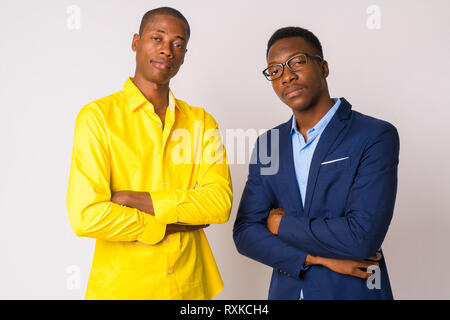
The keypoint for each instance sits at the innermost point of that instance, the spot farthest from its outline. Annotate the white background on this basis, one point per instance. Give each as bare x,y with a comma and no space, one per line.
48,71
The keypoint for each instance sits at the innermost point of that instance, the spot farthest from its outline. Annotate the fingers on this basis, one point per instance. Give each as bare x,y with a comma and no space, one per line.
174,228
187,227
376,257
361,274
196,227
278,211
363,271
366,264
184,227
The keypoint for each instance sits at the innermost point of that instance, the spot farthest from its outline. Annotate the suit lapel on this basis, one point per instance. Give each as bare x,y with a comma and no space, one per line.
328,137
287,170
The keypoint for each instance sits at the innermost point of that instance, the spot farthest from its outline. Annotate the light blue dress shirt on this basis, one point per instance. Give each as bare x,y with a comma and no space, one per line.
304,151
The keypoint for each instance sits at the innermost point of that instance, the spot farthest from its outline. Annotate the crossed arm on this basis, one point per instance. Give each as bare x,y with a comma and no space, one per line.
96,212
351,238
143,202
353,267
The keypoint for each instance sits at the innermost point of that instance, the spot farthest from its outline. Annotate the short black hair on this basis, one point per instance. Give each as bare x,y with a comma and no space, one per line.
149,15
288,32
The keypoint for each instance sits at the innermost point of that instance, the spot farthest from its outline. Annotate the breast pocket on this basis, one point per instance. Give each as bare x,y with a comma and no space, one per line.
334,170
335,163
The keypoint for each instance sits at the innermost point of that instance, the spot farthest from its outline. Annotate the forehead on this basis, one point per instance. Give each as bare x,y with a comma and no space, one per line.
284,48
169,24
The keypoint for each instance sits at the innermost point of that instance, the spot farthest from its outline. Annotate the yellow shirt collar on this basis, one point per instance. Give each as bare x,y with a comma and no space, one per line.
136,99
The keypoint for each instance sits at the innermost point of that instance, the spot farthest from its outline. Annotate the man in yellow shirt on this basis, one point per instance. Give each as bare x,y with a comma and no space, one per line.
148,173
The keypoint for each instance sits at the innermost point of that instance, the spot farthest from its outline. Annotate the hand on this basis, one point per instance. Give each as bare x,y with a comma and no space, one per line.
274,220
348,267
174,228
139,200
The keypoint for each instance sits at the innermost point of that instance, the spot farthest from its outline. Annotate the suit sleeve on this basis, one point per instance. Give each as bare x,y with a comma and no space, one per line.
210,202
91,212
251,237
361,229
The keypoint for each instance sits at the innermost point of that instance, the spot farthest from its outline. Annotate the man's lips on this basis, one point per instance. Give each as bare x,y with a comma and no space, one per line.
293,91
160,64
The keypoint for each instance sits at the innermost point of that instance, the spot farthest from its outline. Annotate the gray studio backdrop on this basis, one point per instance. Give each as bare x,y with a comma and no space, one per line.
388,58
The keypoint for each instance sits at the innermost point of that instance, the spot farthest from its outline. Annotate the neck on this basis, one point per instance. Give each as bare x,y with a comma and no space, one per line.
157,94
308,117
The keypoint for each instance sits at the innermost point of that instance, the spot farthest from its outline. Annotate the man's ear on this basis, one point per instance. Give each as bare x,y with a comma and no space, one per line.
135,41
324,69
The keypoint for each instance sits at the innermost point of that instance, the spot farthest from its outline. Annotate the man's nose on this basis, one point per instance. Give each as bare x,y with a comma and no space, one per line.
288,76
166,49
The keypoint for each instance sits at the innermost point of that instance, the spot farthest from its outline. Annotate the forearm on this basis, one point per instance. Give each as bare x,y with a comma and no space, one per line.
336,238
311,260
109,221
290,234
256,242
200,207
206,205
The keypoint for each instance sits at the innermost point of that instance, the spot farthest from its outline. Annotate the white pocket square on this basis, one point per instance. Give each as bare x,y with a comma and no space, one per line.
335,160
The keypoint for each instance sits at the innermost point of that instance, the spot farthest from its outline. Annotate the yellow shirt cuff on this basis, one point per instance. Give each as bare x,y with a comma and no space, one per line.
154,230
165,205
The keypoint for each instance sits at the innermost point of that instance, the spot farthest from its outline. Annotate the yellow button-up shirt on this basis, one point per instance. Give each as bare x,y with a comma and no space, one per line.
121,144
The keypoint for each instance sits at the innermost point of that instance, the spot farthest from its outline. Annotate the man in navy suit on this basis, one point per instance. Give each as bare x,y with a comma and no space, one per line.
318,220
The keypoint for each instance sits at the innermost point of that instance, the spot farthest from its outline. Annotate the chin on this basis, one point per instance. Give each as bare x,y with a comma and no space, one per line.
155,76
158,79
299,105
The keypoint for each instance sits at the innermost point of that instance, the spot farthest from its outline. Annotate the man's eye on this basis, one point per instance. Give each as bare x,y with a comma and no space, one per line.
178,45
273,72
156,38
298,61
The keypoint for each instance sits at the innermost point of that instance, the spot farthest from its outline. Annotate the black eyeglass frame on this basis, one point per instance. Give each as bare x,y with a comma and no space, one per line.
306,54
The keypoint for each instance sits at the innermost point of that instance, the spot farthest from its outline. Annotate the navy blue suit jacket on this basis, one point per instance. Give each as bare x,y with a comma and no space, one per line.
348,207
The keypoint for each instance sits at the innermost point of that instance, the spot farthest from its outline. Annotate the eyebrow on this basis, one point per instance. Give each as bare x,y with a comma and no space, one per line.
162,31
298,52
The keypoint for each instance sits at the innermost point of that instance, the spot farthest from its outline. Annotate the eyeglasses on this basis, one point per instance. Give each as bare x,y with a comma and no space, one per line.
295,63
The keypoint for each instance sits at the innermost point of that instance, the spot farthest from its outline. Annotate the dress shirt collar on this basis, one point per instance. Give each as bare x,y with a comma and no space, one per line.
321,124
136,99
